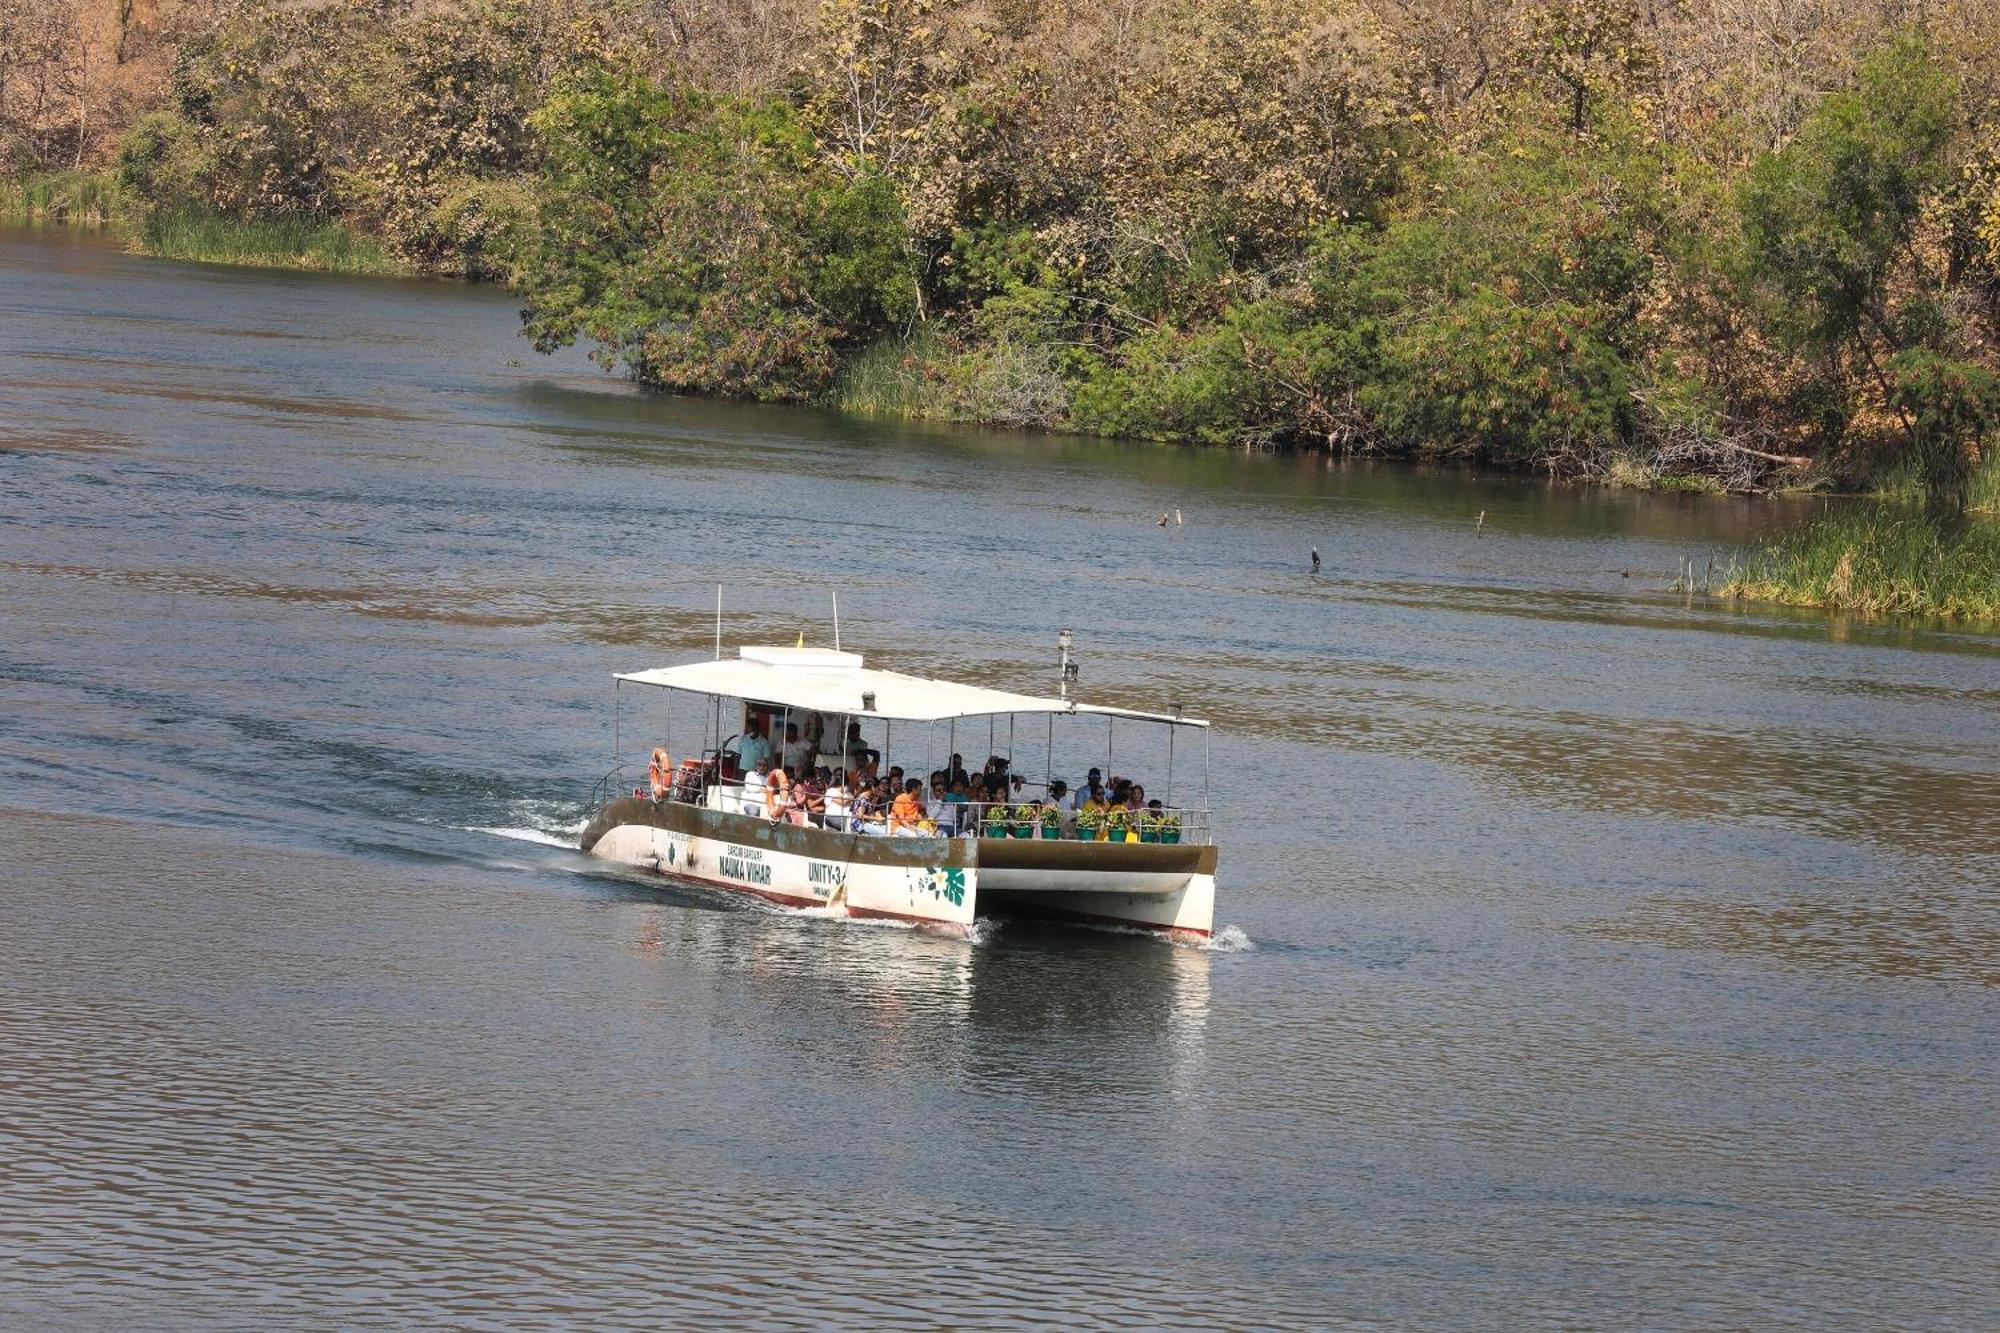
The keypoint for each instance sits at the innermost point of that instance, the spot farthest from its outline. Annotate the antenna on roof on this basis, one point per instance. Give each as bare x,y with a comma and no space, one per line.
718,622
836,620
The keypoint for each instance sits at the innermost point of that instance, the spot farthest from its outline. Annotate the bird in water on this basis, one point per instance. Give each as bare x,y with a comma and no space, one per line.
1315,559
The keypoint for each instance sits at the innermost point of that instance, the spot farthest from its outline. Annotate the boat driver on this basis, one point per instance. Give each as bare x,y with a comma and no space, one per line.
751,746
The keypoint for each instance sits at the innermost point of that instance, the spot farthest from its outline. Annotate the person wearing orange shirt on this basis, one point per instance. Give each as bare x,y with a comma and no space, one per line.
906,813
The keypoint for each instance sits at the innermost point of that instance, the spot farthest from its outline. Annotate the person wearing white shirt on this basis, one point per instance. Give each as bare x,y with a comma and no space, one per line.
837,800
755,788
798,752
1067,800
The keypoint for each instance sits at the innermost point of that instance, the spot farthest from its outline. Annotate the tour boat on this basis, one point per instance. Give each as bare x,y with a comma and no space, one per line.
1153,871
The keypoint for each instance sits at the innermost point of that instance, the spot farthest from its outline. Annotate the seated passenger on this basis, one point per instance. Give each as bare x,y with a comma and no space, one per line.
939,809
836,801
906,813
796,802
867,810
777,794
809,796
1049,817
751,795
1090,815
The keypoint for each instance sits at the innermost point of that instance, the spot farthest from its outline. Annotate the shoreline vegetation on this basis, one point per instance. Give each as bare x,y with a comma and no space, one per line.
1606,240
1878,563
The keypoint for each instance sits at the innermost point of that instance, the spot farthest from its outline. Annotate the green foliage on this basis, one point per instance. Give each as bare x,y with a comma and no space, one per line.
1831,222
697,241
163,161
1827,216
1502,324
1492,376
1953,406
1878,561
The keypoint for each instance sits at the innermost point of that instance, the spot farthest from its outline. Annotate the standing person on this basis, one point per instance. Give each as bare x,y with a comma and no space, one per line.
797,754
1083,790
1315,559
751,746
855,749
954,773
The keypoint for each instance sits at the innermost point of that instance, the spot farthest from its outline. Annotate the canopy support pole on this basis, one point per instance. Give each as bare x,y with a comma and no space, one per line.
1170,764
1204,773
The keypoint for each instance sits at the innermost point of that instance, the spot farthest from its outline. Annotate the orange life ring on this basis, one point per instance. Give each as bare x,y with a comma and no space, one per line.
661,773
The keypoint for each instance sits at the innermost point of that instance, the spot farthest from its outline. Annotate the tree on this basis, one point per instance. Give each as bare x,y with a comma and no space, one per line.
699,243
1830,223
1584,47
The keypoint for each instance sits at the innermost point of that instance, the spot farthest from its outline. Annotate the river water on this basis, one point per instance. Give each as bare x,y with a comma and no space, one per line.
1594,957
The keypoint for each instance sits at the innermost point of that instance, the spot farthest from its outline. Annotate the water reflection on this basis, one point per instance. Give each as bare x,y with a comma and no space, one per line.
979,1008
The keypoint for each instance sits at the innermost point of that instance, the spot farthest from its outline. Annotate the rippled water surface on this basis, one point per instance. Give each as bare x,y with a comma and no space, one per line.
1598,959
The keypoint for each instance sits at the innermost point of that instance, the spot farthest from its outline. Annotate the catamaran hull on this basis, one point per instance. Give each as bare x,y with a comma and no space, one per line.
941,882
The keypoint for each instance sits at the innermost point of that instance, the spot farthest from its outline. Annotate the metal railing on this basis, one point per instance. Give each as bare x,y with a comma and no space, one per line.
967,819
981,819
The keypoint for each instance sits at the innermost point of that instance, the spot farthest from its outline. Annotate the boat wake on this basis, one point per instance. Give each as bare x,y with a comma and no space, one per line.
533,835
546,823
1230,939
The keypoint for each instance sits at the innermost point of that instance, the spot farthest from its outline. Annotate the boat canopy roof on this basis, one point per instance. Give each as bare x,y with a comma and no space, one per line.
824,680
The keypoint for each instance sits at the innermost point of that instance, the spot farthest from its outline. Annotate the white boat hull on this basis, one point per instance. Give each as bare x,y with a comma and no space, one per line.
942,882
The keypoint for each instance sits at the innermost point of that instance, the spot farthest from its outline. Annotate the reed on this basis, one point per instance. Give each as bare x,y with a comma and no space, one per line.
84,198
1982,496
1879,562
895,377
212,238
